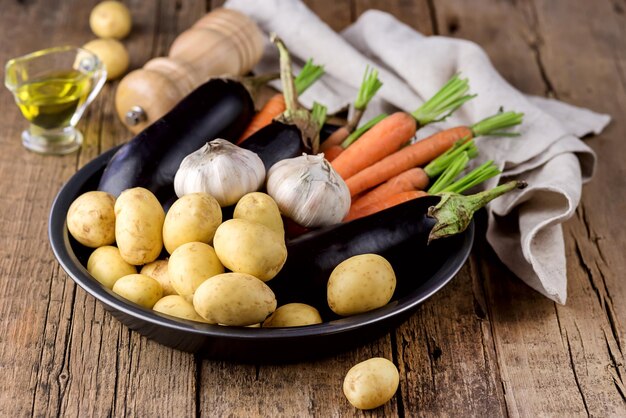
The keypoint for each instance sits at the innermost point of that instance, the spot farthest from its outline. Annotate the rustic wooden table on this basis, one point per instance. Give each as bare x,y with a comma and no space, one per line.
486,345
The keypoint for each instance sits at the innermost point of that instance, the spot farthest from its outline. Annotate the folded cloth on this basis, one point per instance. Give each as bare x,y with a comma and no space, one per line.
524,227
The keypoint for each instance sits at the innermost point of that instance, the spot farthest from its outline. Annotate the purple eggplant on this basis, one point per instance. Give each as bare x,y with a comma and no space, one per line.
220,108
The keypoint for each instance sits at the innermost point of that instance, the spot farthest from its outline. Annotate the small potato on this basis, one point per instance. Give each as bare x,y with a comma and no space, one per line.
110,19
249,247
260,207
360,284
158,271
113,55
234,299
192,218
138,288
190,265
293,315
91,219
177,306
106,265
371,383
138,226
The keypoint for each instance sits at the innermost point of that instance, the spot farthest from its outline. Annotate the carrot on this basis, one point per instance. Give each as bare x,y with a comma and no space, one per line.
412,179
425,150
397,129
309,74
272,108
397,190
333,152
386,137
390,201
335,139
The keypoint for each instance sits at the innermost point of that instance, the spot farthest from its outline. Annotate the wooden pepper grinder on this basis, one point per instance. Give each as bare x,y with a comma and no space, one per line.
223,42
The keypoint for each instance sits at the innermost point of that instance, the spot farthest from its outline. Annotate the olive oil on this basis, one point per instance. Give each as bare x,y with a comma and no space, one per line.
50,101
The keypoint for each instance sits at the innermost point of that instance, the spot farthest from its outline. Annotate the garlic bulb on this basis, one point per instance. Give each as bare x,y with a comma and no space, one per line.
308,190
221,169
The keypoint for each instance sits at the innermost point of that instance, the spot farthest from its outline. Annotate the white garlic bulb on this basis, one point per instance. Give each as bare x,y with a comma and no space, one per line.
308,190
221,169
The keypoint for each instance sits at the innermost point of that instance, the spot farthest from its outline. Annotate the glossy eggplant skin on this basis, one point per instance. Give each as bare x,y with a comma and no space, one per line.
400,234
275,142
220,108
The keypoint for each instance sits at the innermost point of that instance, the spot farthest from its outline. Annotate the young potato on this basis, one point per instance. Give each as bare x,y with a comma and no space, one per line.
360,284
158,271
293,315
91,219
113,55
177,306
139,288
371,383
249,247
106,265
192,218
190,265
260,207
110,19
138,226
234,299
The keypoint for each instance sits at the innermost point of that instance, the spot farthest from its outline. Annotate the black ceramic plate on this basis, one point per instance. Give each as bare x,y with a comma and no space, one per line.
240,343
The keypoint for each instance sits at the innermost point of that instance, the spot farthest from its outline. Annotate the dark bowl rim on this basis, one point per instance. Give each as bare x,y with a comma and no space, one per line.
60,243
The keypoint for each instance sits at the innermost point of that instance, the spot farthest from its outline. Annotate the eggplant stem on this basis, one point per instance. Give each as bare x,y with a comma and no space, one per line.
454,211
286,75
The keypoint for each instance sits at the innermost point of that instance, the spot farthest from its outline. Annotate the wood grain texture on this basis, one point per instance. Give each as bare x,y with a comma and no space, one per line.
486,345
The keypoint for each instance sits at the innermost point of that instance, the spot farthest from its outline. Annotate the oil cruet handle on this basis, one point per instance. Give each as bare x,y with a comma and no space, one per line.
95,67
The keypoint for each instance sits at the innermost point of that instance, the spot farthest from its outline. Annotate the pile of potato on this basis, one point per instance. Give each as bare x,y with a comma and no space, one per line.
251,246
193,282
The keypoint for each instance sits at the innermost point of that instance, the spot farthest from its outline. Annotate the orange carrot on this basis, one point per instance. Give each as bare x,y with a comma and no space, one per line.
428,149
385,138
390,201
412,179
272,108
335,138
333,152
408,157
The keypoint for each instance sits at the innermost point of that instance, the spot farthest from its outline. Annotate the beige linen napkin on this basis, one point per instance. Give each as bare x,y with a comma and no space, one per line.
525,226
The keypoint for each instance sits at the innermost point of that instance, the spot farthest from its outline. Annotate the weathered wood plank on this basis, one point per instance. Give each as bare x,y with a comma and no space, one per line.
87,362
553,359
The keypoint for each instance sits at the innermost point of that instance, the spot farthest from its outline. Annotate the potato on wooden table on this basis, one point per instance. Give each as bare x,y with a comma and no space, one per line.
371,383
